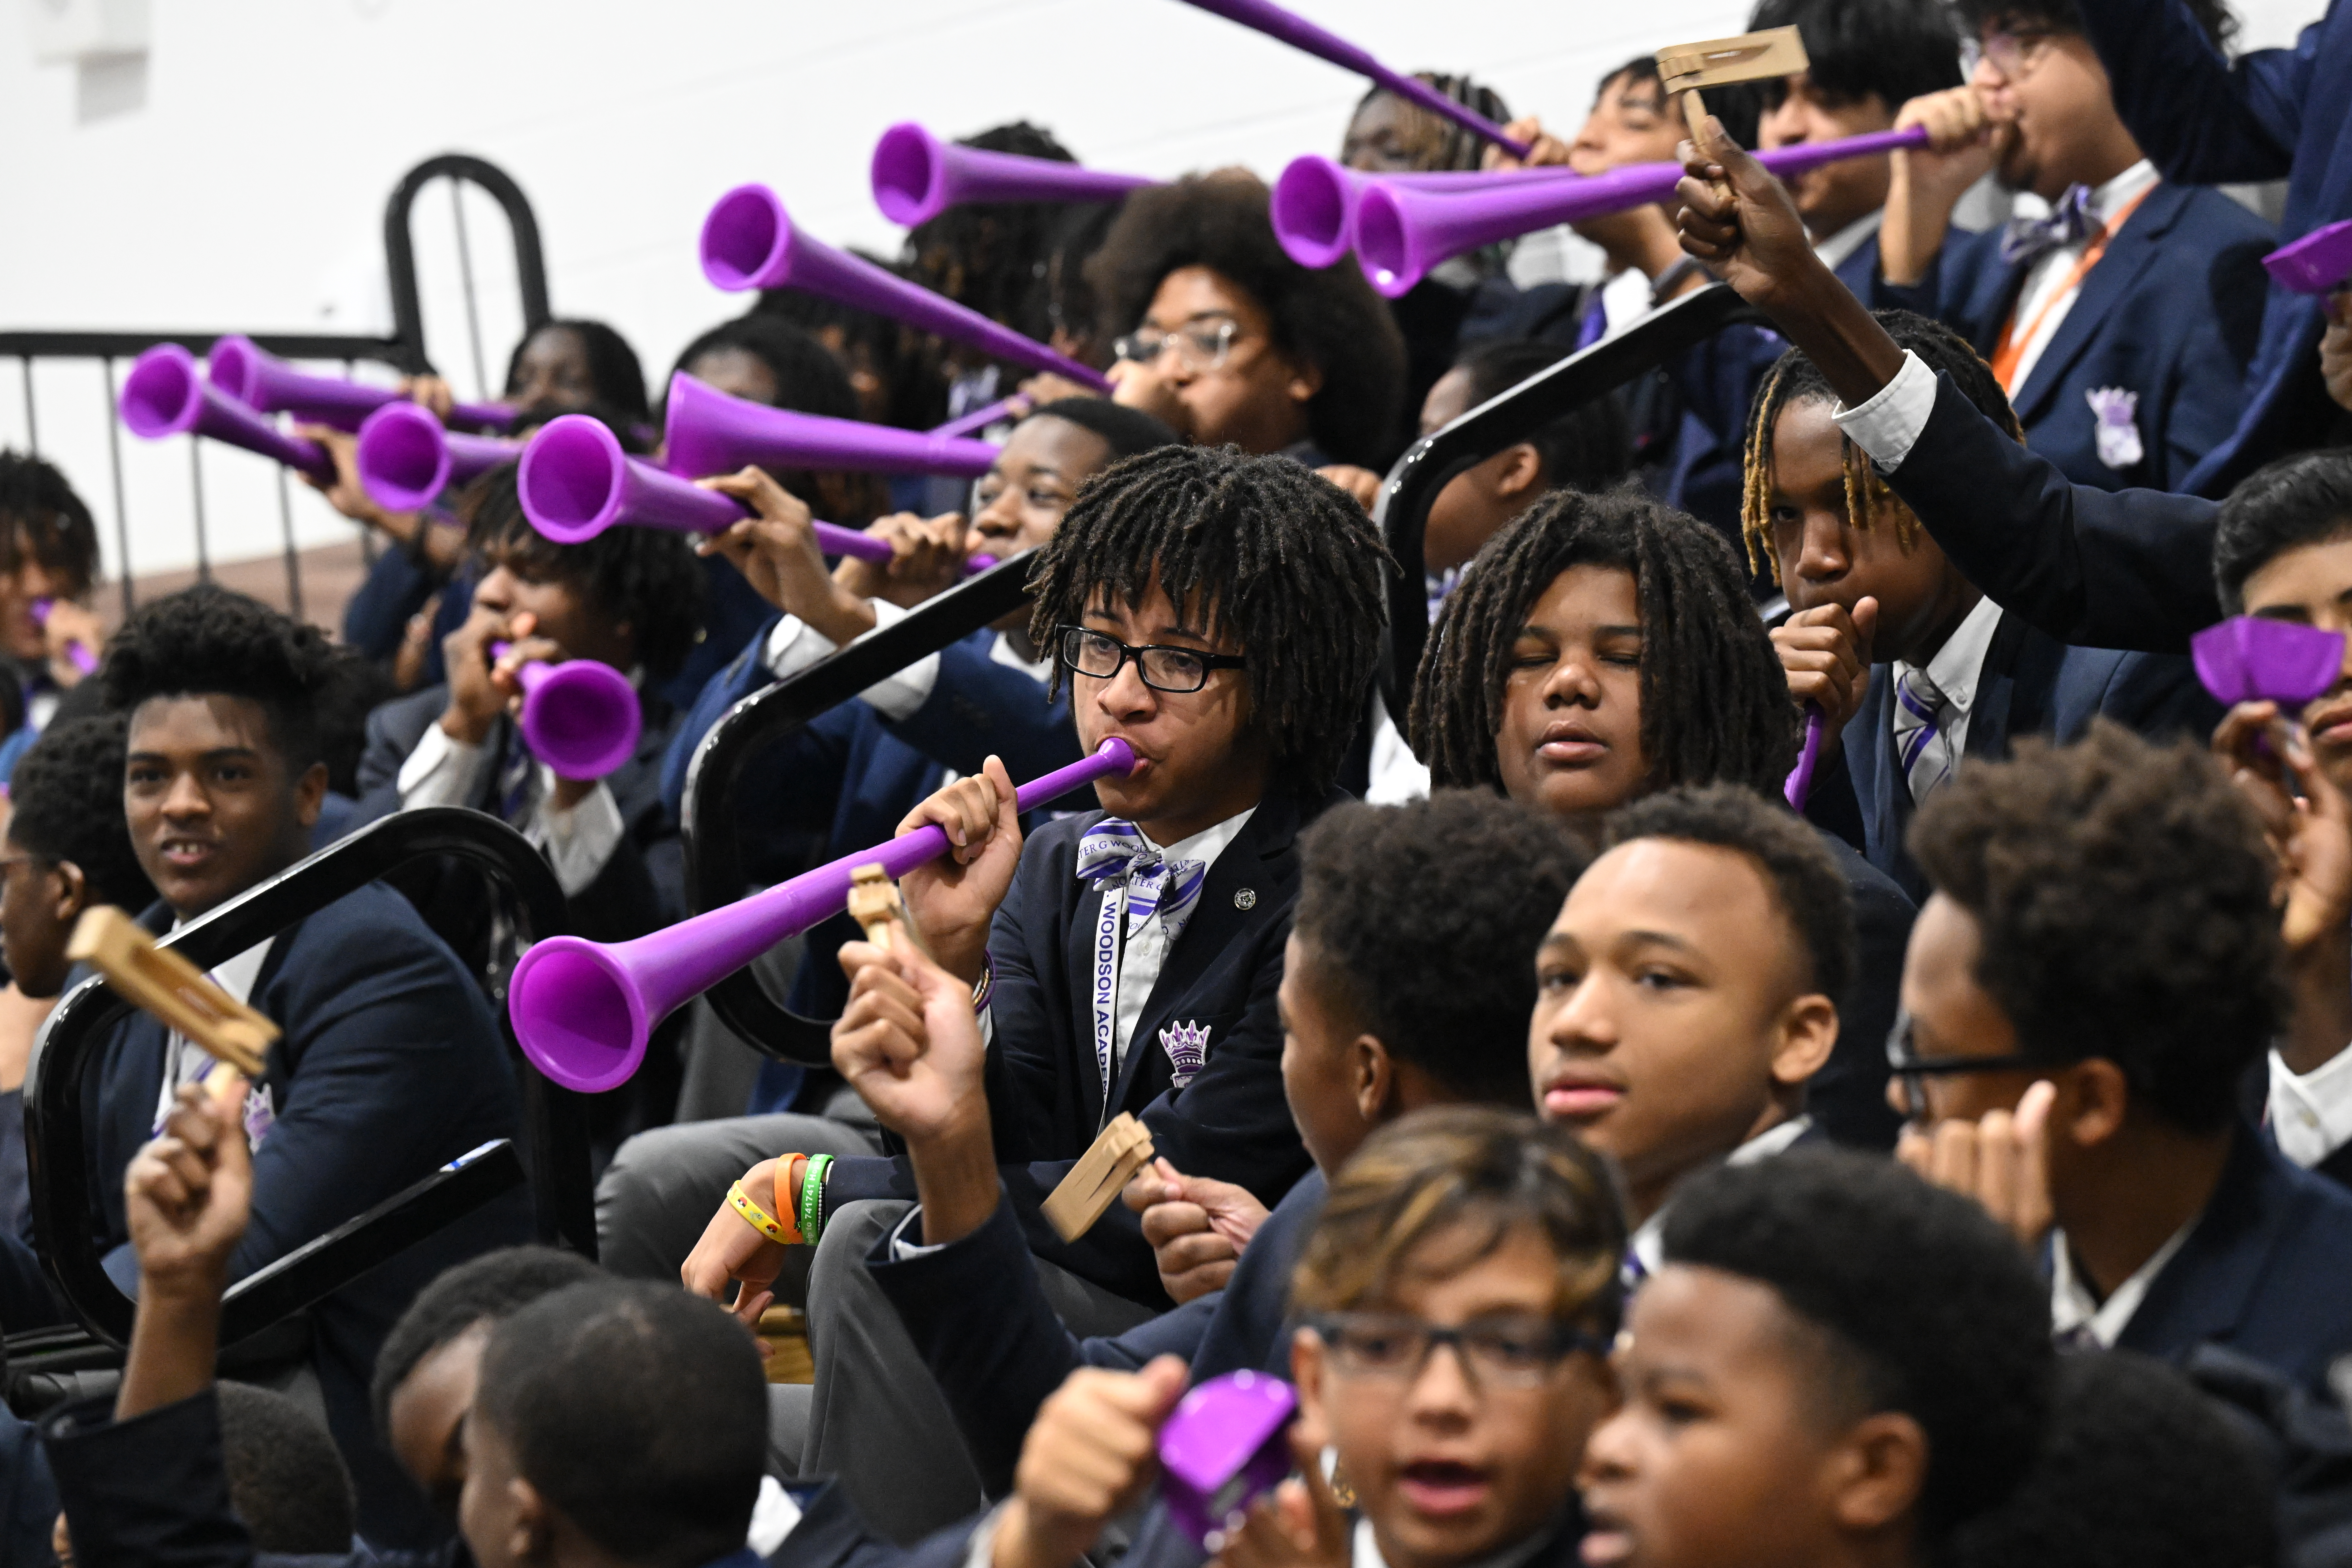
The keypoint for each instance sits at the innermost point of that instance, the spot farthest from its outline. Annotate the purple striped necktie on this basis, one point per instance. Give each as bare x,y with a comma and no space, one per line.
1113,850
1923,742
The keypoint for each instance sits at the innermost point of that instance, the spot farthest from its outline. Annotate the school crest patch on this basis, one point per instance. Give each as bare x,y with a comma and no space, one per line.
1187,1045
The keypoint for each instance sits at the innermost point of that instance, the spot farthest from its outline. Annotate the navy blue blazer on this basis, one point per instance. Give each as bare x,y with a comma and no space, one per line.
2119,569
2264,1273
1045,1097
995,1382
390,1067
1847,1098
642,885
2170,314
2030,684
2272,114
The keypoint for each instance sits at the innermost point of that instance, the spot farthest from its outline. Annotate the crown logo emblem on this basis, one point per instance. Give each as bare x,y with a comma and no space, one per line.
1187,1045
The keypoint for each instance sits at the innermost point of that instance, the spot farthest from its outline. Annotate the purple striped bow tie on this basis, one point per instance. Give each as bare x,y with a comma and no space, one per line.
2070,223
1113,850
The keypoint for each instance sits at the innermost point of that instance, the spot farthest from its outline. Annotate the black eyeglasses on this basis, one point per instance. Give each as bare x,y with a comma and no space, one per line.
1506,1353
1912,1070
1163,668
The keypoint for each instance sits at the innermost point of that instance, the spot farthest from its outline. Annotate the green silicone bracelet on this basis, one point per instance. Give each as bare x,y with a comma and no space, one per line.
811,1215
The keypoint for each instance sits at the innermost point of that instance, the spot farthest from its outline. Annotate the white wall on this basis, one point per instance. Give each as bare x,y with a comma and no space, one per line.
241,182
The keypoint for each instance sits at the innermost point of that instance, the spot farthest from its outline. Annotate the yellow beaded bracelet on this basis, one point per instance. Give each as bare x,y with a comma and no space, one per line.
760,1219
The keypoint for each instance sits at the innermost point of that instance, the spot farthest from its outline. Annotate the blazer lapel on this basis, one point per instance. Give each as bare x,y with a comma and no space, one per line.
1085,906
2202,1294
1877,773
1989,715
2130,253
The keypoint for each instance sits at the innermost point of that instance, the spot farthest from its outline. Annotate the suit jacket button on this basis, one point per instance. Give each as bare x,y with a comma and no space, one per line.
1246,898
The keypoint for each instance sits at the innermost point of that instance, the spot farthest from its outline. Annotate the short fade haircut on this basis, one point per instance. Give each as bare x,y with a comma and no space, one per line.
1800,874
1920,1302
1260,548
2065,16
2122,892
1426,917
1700,635
286,1477
1126,431
648,577
1329,318
1895,49
1474,1168
480,1291
206,641
41,517
2139,1469
2296,502
1590,448
638,1411
66,795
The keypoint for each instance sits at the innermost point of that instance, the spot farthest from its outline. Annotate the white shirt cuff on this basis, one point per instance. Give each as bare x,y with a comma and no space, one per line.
440,770
579,842
980,1551
795,644
1887,425
2311,1115
901,1248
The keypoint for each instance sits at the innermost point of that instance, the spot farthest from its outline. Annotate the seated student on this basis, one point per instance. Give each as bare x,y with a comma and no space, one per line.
767,361
389,1065
565,367
1383,1013
2119,323
1688,990
1467,1228
1837,1365
2092,977
2129,569
2138,1470
48,555
2283,551
1913,668
1231,343
627,598
67,850
847,780
1602,648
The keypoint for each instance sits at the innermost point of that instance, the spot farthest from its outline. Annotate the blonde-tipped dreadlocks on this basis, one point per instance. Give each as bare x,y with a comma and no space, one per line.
1794,379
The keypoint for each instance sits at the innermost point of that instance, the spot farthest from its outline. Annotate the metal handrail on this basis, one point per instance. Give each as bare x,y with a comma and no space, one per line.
714,856
400,247
56,1148
1413,484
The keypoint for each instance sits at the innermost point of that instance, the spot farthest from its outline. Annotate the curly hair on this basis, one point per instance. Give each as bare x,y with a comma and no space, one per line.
207,640
1714,704
1794,379
2139,1469
1261,549
2283,505
1474,1168
40,516
1329,318
613,368
67,801
648,577
991,255
1920,1303
286,1477
1425,919
2220,25
1799,871
2122,894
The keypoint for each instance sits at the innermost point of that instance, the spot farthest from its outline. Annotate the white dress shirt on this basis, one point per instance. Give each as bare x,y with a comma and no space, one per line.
1144,952
2072,1306
188,1062
794,644
2051,281
577,843
1648,1240
1886,424
1397,776
2311,1113
1955,668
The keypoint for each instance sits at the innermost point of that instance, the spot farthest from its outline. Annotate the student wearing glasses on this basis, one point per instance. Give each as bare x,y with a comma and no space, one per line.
1231,343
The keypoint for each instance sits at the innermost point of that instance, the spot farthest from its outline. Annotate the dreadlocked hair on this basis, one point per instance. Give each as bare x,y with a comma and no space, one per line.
1794,379
1259,548
1714,704
1455,148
